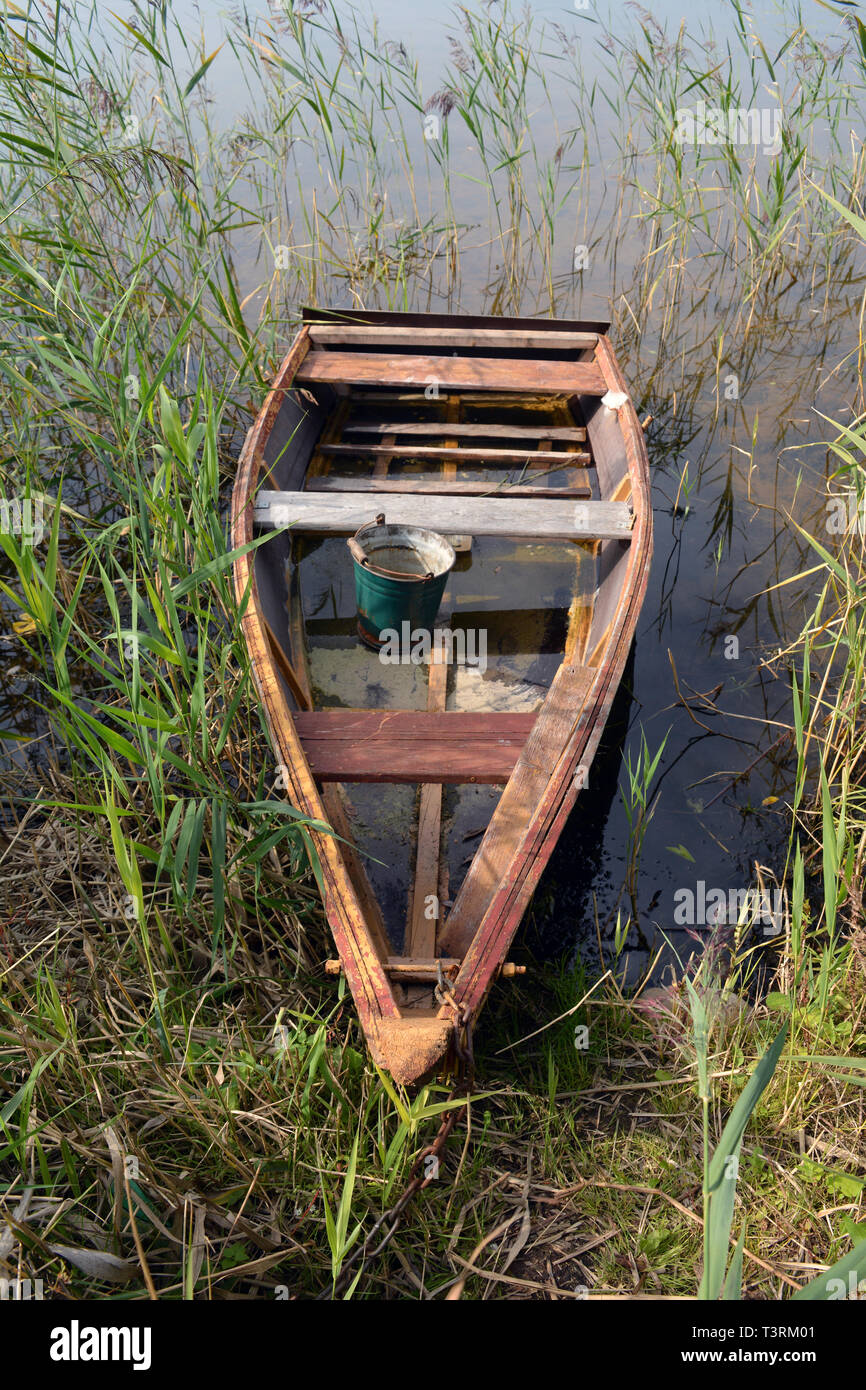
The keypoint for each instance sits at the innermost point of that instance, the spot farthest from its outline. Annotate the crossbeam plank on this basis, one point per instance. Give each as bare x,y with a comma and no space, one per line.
573,435
381,396
461,455
345,745
524,374
342,723
447,487
359,335
341,513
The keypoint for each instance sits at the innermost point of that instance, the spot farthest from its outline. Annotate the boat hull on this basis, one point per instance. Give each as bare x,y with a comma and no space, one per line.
413,1025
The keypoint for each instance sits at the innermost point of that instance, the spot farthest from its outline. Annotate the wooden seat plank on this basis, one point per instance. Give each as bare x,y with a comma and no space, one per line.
341,513
380,396
449,487
344,723
521,374
571,433
344,745
360,335
462,455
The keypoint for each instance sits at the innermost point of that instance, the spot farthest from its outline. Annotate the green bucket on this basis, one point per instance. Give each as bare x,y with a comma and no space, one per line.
400,577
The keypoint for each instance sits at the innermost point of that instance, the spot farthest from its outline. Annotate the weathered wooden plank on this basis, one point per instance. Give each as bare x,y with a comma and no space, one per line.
358,335
320,463
409,968
412,746
297,645
412,725
444,486
341,513
421,926
382,464
336,813
451,442
392,318
286,669
463,430
469,454
553,400
613,472
420,968
487,764
524,375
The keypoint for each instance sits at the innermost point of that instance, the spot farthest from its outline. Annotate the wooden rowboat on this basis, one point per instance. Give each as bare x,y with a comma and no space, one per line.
517,439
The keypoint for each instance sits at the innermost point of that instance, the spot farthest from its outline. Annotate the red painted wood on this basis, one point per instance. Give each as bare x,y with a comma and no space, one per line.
460,373
344,745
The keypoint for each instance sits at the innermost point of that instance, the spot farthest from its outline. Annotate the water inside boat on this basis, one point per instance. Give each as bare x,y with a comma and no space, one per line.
512,611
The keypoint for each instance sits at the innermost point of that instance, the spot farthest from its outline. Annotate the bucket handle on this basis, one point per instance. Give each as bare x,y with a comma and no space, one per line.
357,551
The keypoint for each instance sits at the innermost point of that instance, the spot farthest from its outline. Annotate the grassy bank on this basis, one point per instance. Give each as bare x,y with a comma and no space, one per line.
187,1108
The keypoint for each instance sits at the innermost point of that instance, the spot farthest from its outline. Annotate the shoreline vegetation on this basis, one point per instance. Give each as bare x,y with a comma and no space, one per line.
186,1108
